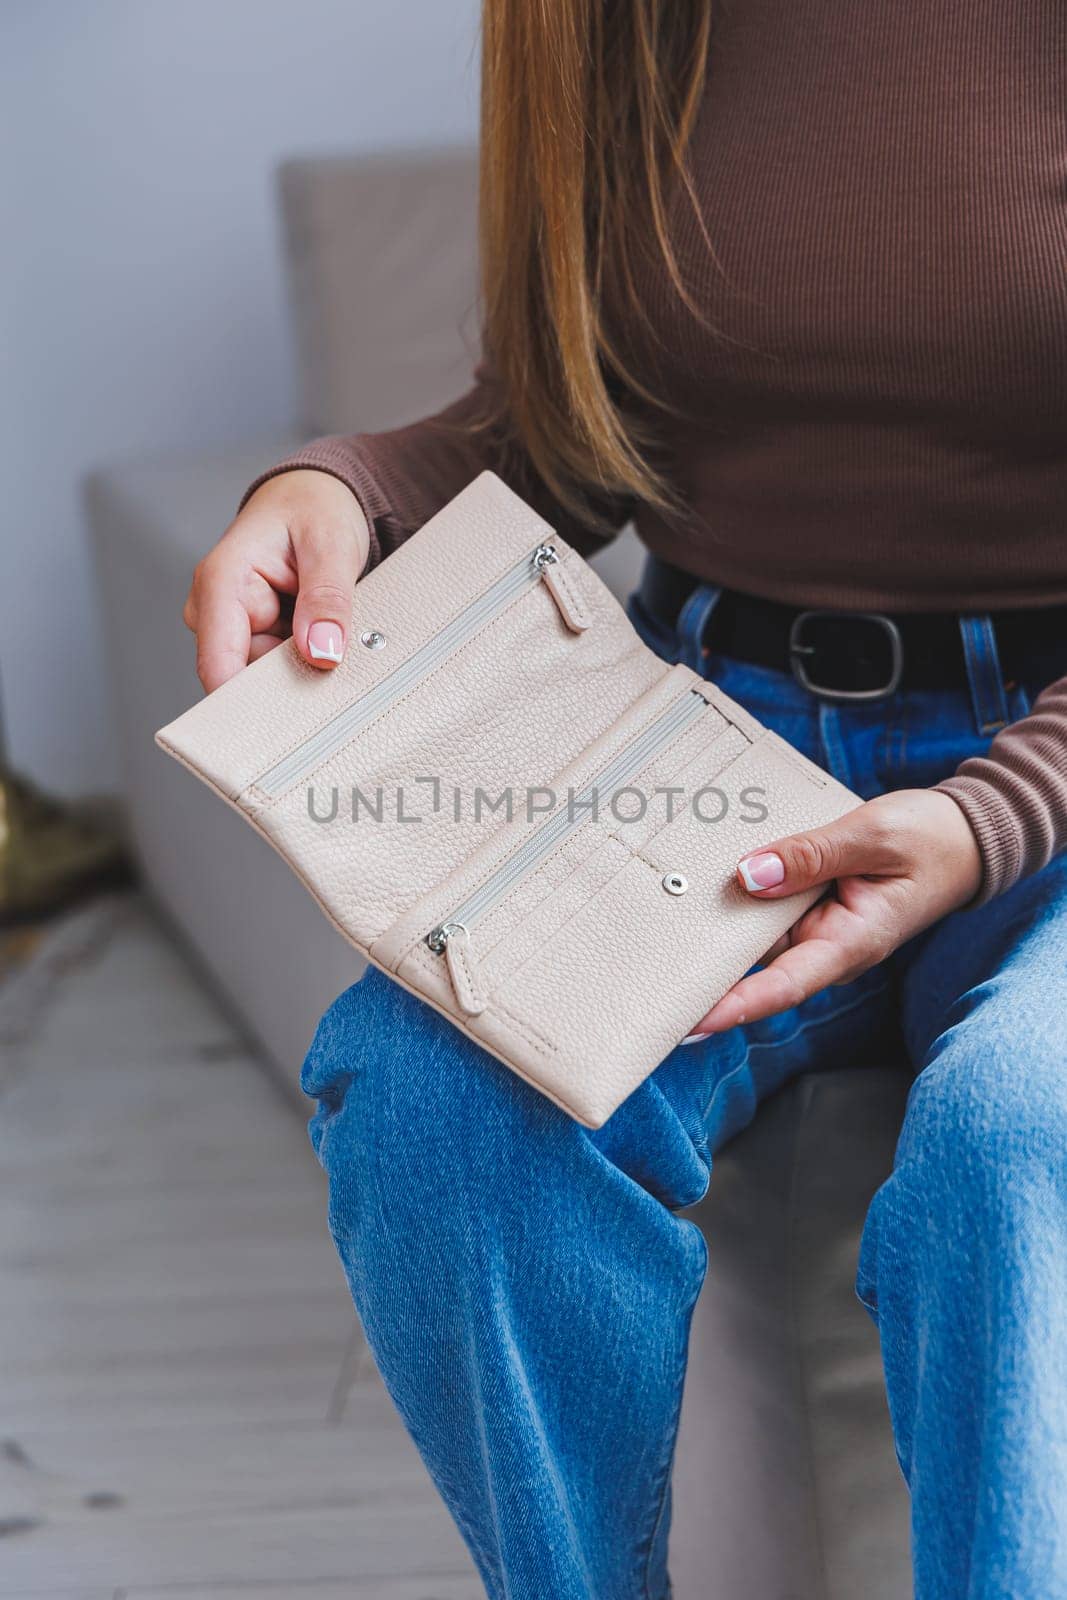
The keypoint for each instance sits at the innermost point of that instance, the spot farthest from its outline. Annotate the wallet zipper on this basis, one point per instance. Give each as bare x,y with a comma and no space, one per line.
451,936
542,565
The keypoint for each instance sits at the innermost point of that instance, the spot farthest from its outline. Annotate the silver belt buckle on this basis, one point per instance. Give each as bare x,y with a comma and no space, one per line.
797,650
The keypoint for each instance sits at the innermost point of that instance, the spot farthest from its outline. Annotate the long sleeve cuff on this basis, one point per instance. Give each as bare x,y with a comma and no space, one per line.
1014,795
996,830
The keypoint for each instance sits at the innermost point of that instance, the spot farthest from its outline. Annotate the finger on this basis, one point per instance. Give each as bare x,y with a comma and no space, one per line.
790,979
228,603
860,842
328,564
276,628
777,948
262,643
223,630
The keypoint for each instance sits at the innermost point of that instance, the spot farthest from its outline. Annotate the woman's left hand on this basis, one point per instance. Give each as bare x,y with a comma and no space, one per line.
897,864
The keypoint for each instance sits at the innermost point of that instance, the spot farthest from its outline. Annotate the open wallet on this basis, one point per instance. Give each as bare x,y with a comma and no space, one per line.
512,806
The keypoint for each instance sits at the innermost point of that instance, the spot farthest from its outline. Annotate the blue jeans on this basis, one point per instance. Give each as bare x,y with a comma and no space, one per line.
526,1284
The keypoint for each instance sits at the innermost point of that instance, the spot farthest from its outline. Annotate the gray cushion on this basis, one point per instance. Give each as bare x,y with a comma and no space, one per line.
382,258
787,1485
259,936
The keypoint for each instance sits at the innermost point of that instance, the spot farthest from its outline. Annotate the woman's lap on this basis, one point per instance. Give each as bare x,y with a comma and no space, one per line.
492,1243
975,989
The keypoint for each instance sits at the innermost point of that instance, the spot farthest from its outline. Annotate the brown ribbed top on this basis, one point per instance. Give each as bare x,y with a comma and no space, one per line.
877,415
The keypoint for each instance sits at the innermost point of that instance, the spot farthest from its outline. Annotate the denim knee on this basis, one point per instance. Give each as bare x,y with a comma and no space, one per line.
981,1160
992,1104
978,1192
416,1127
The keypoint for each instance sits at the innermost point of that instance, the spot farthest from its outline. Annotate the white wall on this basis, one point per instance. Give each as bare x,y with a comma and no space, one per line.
141,293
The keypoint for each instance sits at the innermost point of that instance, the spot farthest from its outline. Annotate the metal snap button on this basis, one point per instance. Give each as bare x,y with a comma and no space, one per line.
675,883
373,639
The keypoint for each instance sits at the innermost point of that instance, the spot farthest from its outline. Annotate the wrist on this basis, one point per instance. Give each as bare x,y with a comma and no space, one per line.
962,850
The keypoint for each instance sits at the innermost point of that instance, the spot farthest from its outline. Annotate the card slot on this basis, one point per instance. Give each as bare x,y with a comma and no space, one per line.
532,884
544,900
769,791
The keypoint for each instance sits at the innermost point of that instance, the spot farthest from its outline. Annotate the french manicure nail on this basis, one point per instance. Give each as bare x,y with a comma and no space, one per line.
326,641
693,1038
764,870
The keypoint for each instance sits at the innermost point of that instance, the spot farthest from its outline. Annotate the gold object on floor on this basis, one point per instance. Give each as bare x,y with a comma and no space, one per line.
51,854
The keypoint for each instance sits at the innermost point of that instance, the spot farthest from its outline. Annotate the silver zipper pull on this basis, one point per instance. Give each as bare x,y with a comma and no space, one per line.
452,940
438,937
562,589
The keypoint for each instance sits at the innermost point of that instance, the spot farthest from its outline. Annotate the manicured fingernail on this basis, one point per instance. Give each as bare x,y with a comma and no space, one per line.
326,641
762,871
693,1038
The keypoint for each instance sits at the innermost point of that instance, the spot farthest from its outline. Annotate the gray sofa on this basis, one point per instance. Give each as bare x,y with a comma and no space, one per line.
786,1487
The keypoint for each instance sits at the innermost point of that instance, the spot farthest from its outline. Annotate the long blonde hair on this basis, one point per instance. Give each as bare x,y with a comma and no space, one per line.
587,110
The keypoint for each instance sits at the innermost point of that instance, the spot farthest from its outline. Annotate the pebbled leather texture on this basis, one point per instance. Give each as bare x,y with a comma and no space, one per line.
586,972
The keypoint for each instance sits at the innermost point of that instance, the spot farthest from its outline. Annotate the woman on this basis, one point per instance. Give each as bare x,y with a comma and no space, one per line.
786,284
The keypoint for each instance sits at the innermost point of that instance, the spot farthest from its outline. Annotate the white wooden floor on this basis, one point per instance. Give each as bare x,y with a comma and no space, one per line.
185,1411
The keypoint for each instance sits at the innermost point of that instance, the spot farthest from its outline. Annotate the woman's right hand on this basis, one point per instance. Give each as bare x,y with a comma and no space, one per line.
287,564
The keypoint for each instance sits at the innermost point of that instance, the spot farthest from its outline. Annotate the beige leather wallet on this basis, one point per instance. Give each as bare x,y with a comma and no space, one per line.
512,806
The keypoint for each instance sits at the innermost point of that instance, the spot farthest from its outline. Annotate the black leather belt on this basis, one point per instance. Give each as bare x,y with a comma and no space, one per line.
860,655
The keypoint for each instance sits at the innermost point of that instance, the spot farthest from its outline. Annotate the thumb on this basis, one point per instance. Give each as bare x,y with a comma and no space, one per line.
804,860
328,562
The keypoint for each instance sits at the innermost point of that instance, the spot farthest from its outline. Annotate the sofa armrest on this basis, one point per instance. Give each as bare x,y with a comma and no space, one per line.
257,932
